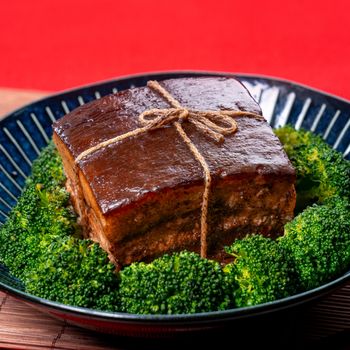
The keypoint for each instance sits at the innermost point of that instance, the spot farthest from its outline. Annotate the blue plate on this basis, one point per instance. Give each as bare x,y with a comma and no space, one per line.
26,131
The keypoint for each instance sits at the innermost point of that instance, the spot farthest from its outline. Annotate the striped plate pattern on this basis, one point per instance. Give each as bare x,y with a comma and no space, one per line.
26,131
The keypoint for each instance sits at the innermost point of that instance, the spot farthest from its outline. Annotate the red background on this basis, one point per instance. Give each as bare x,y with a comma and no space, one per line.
55,45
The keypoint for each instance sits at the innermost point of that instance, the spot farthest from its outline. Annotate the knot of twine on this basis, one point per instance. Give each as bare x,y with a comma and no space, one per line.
215,124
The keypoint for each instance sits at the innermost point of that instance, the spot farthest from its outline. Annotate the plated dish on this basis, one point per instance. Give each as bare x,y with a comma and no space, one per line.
284,107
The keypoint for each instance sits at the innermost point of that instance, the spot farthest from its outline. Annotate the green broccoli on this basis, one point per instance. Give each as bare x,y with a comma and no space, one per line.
42,214
75,272
318,240
47,169
173,284
262,271
40,244
322,172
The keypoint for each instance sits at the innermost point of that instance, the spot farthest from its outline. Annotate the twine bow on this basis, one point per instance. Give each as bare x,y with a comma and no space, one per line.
215,124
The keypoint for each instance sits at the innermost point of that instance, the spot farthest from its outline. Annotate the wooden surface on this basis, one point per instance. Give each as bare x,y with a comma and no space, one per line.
11,99
22,327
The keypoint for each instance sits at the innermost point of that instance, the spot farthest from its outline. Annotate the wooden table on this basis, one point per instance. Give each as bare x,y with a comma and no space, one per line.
22,327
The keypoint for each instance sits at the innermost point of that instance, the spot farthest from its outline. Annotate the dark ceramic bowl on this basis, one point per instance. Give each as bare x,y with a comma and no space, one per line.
24,132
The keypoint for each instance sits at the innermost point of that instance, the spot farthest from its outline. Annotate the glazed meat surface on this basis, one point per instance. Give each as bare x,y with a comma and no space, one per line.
141,197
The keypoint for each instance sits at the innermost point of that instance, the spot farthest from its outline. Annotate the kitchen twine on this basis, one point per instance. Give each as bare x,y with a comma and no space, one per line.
215,124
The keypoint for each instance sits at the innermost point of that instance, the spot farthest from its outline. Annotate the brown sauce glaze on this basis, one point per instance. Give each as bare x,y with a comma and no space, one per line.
127,172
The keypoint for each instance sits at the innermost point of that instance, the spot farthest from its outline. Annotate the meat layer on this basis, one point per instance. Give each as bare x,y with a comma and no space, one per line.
141,197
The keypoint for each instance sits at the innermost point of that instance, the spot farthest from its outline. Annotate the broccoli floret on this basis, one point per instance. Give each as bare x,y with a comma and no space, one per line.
74,272
39,217
38,243
322,172
41,214
262,271
318,240
173,284
292,139
47,169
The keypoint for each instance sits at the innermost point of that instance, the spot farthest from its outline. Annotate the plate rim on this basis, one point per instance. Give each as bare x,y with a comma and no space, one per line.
239,75
219,316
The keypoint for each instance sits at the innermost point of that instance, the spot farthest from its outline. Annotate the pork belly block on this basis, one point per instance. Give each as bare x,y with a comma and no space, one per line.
141,197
